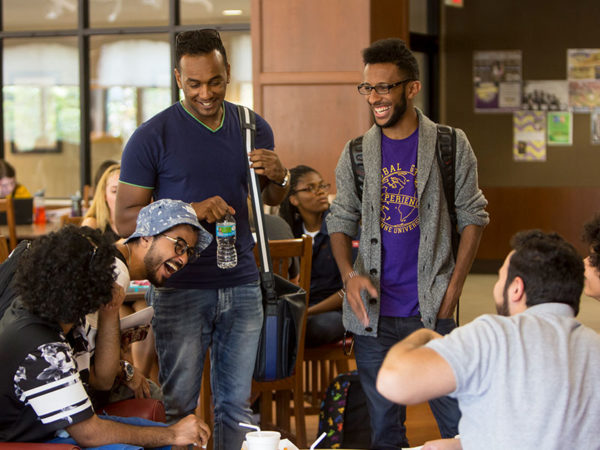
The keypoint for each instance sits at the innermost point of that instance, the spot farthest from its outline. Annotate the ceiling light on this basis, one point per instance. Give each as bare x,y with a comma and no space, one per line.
232,12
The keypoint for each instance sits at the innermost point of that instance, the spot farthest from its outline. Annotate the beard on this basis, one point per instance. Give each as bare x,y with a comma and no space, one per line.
151,265
397,114
503,308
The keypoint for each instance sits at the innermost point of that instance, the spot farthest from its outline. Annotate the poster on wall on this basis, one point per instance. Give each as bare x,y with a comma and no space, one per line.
497,80
595,127
584,96
560,128
545,95
583,64
529,136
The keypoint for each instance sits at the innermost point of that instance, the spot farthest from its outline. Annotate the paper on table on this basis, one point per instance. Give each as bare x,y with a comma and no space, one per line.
284,444
141,317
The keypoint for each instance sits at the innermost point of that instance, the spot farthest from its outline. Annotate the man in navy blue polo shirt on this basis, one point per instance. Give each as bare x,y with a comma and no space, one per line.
193,151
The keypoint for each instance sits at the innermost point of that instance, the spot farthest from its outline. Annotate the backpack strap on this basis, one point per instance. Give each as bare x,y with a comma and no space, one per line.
358,166
446,157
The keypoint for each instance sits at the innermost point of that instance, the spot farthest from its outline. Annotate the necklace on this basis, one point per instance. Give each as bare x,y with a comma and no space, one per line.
128,254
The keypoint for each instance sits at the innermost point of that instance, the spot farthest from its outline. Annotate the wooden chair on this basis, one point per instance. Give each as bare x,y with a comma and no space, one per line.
288,388
67,219
6,205
321,365
3,249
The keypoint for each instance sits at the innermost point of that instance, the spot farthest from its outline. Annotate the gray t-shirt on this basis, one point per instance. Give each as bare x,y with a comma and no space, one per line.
530,381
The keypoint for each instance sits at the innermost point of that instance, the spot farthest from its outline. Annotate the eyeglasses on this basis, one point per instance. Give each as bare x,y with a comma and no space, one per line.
380,88
182,247
314,188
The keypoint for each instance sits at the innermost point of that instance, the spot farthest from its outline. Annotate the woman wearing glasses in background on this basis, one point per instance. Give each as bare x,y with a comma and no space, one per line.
305,208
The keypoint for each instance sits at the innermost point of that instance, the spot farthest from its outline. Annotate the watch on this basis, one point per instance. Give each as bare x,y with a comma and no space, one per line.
286,180
127,370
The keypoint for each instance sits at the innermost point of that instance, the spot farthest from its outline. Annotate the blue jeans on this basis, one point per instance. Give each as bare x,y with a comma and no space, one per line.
186,323
137,421
387,418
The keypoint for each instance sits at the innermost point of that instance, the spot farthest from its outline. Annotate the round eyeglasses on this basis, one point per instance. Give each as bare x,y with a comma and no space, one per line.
182,247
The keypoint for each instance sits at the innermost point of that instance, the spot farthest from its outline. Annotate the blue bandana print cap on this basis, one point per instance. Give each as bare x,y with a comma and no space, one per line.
164,214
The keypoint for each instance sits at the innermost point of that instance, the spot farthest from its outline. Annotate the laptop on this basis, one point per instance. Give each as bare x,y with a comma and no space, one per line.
23,211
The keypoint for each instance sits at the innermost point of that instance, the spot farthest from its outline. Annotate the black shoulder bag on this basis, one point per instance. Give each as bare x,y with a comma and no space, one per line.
284,302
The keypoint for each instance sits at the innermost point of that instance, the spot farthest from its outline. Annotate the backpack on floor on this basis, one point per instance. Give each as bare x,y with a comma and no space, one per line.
344,415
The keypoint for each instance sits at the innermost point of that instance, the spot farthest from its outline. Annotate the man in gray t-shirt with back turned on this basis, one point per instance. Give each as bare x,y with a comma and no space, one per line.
525,378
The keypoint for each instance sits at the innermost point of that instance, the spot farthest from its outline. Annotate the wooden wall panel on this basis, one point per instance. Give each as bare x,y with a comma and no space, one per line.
560,209
312,123
313,35
306,65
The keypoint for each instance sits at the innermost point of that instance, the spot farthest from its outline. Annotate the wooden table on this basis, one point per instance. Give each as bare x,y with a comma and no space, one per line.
31,231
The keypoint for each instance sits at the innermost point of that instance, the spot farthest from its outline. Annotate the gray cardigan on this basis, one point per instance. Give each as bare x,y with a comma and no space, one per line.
435,261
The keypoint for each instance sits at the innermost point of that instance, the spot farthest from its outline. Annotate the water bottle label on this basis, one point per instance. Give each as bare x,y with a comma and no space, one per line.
225,230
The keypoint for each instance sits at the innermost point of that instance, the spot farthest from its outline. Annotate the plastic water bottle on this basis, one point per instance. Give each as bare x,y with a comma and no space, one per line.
226,253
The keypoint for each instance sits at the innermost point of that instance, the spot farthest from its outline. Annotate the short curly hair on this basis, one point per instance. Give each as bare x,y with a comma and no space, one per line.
392,50
591,236
198,42
66,274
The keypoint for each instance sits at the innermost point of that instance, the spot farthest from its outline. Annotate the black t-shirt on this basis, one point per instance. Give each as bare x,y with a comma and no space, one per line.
40,387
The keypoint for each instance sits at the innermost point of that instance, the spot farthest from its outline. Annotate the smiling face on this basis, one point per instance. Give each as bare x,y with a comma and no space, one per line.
388,108
203,79
161,261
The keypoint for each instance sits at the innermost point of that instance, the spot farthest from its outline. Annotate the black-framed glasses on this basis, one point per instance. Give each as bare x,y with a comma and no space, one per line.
182,247
314,188
380,88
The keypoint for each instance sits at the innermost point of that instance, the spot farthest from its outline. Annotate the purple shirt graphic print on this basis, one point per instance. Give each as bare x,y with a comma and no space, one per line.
399,221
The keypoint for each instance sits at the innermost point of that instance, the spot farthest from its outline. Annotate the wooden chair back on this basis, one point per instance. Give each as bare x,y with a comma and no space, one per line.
68,220
282,251
3,249
6,205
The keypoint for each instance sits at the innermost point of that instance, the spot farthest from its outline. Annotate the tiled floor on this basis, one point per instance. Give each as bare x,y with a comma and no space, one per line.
476,300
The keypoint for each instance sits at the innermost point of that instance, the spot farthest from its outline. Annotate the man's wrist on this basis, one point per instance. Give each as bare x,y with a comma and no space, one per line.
348,276
285,181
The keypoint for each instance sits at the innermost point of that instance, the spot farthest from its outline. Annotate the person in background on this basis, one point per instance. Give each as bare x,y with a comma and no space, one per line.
45,362
406,275
193,151
8,183
101,214
526,378
591,236
305,209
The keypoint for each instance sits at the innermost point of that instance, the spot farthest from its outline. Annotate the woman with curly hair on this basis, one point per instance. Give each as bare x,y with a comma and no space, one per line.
304,209
101,214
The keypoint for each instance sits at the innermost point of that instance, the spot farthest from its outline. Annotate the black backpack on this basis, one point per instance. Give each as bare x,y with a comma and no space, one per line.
344,415
7,273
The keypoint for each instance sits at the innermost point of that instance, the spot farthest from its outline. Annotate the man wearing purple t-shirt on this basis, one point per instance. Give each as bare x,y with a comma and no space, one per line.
405,276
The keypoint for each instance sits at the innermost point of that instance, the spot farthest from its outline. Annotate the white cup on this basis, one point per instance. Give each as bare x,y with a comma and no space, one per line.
263,440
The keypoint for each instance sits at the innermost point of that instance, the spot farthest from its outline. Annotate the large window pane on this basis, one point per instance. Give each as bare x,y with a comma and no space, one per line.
418,16
19,15
422,100
128,13
130,81
221,12
41,113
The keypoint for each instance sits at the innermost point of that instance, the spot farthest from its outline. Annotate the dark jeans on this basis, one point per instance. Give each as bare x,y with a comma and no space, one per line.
387,418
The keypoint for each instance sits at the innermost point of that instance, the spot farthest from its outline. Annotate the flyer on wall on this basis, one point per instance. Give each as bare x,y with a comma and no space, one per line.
529,136
560,128
547,95
595,127
497,79
583,64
